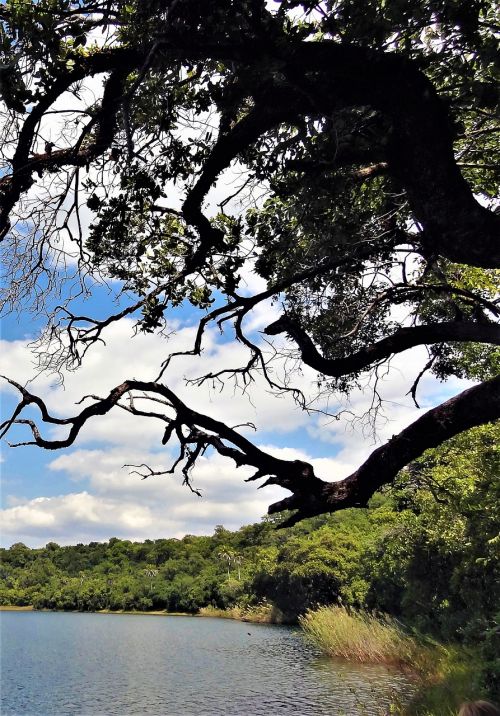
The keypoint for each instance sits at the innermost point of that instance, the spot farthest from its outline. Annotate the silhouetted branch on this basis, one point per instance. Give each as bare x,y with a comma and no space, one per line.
310,494
401,340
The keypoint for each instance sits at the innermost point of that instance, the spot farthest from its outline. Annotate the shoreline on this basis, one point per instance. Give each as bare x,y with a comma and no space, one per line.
154,613
218,614
11,608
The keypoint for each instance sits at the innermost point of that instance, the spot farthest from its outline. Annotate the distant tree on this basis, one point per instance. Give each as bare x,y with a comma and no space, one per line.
227,556
151,572
371,130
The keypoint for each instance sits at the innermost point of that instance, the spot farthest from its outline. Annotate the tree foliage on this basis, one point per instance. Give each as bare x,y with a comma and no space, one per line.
367,129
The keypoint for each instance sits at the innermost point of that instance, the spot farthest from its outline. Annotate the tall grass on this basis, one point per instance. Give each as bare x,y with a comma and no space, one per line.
263,613
445,676
365,638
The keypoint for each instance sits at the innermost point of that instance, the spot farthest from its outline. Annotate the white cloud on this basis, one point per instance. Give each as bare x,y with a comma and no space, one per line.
104,499
117,503
73,517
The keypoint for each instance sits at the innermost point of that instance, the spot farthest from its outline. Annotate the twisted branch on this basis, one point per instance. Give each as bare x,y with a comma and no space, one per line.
310,494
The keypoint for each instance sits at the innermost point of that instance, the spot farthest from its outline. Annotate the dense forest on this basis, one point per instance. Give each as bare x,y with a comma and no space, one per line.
425,551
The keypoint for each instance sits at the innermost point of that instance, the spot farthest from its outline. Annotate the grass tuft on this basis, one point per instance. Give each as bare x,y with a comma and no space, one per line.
365,638
445,676
263,613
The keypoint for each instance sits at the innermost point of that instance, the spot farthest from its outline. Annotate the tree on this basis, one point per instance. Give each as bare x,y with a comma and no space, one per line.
238,561
449,518
227,556
151,572
438,568
371,128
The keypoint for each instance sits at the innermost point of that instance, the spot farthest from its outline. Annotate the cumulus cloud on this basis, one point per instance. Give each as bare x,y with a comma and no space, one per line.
74,517
117,503
103,499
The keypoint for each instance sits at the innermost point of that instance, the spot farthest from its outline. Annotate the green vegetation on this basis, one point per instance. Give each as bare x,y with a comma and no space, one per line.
263,613
423,553
364,637
454,678
253,570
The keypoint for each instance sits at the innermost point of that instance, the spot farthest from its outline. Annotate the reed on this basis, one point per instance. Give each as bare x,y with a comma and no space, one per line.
445,675
263,613
366,638
232,613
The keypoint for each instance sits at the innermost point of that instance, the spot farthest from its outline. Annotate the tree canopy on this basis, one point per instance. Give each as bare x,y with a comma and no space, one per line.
367,130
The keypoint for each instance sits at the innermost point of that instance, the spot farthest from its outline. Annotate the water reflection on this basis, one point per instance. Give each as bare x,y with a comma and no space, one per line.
101,665
371,688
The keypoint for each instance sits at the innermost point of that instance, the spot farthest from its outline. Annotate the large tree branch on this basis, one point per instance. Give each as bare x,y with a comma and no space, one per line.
310,494
401,340
475,406
227,147
419,148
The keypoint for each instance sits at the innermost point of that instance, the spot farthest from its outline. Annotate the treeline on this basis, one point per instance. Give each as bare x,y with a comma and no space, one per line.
318,561
426,552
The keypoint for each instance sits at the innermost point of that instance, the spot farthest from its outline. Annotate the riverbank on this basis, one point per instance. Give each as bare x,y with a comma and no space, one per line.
259,614
150,613
445,675
9,608
264,613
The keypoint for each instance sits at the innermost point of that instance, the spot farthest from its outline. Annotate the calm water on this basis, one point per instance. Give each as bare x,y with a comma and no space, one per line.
55,664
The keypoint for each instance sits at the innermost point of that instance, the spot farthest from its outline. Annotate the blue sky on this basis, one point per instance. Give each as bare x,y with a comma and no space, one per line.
83,493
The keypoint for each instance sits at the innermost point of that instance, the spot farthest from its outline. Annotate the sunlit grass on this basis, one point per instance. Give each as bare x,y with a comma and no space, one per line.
263,613
445,676
365,638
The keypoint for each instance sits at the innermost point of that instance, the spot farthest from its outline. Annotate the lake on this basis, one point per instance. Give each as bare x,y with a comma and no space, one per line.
58,664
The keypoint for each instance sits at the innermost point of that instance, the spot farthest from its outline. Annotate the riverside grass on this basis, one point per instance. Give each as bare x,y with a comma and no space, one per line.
263,613
445,676
365,638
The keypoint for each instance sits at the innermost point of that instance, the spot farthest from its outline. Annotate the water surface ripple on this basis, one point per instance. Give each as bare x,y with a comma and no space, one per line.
56,664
